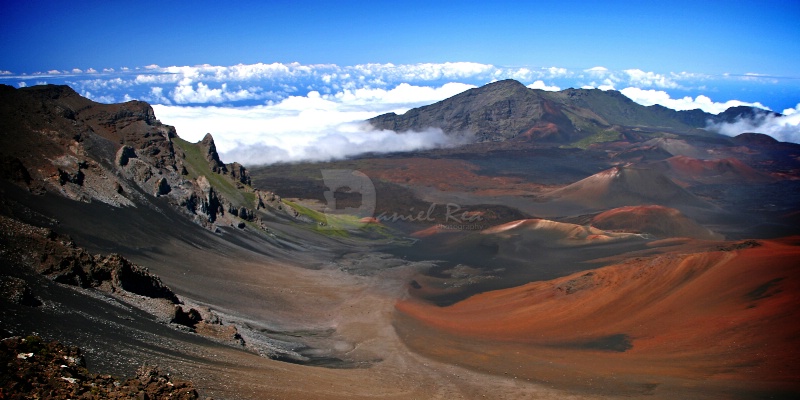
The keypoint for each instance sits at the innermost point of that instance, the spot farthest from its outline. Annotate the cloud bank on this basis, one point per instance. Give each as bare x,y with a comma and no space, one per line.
785,128
253,84
314,127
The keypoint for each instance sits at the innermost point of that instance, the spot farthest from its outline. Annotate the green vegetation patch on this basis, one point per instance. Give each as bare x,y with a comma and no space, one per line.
600,137
197,165
340,225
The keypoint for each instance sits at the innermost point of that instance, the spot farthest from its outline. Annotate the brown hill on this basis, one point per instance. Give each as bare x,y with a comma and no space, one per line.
727,170
625,186
548,233
659,221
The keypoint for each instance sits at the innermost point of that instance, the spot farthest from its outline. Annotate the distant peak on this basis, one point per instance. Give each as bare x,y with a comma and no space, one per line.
507,82
504,84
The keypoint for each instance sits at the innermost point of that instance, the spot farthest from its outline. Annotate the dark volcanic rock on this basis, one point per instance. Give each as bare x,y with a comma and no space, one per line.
58,258
211,154
124,154
31,368
17,291
13,169
239,173
162,187
187,318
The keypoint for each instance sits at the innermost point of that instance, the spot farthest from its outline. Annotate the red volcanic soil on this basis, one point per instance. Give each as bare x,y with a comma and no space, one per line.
728,170
660,221
697,323
449,176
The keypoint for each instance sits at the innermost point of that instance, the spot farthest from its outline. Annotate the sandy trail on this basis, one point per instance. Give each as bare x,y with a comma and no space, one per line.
362,311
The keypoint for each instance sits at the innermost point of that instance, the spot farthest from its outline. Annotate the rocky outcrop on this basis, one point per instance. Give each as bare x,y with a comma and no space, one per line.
124,154
12,169
17,291
209,204
210,152
60,259
239,173
203,321
32,368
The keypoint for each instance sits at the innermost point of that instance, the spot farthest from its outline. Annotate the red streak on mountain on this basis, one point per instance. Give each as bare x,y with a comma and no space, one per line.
717,171
656,220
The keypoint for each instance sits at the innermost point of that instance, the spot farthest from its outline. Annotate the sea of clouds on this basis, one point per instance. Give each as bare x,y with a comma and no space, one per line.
271,113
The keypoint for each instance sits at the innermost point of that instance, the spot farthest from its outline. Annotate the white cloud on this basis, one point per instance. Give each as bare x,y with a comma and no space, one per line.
185,93
340,142
22,84
102,84
4,72
157,96
98,98
597,70
554,72
638,77
785,128
542,86
651,97
402,94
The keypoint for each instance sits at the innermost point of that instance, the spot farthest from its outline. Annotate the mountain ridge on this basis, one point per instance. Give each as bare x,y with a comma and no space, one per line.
508,110
55,140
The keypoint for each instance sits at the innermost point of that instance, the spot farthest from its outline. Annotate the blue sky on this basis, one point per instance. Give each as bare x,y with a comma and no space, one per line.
263,61
698,36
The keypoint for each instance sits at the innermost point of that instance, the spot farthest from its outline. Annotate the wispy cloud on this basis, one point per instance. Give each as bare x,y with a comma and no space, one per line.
340,142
